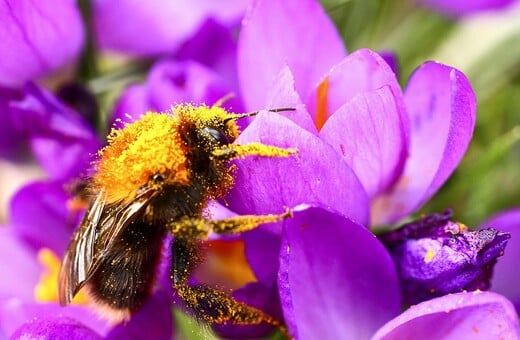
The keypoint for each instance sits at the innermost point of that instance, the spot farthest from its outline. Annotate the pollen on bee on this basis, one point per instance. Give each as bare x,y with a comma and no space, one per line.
141,149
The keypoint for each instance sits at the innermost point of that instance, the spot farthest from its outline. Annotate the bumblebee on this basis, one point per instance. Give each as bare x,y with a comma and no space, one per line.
156,176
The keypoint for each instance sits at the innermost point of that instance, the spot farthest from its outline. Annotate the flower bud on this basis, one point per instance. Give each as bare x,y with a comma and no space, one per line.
435,256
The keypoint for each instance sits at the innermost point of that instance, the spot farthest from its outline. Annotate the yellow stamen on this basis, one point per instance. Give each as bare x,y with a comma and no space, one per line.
322,106
47,289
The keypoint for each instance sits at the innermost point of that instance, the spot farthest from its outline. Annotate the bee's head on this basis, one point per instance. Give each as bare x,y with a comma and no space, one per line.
207,127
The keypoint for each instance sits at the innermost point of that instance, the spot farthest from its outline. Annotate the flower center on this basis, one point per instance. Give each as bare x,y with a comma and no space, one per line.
47,289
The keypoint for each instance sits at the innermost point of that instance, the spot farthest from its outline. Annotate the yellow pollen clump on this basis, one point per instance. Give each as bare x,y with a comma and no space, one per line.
430,253
322,107
47,289
148,146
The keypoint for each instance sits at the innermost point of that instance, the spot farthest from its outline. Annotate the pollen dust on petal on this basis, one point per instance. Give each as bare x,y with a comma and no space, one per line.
47,288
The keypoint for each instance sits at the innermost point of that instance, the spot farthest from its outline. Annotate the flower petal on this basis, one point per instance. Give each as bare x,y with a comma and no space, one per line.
152,321
283,95
157,26
60,138
265,185
459,8
442,109
15,313
18,263
336,279
361,71
37,38
482,315
271,38
54,327
505,275
39,216
369,133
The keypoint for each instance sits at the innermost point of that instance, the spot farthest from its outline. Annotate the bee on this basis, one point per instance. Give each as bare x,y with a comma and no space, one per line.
155,176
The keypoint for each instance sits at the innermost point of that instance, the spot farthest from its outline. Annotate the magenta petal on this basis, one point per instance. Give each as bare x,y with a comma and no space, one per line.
296,33
40,216
361,71
132,103
336,280
465,7
283,95
157,26
369,133
473,315
18,266
506,275
153,321
266,185
14,313
38,37
442,109
54,327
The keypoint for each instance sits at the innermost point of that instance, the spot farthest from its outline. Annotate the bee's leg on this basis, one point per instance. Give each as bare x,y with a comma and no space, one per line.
231,151
209,304
200,227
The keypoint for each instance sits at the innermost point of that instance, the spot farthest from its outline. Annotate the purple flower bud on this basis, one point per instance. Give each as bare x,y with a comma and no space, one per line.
436,256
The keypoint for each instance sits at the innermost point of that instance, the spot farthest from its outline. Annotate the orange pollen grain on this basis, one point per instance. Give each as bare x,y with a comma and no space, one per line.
322,109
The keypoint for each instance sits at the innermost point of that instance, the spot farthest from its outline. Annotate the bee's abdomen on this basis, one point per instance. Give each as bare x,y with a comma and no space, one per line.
125,276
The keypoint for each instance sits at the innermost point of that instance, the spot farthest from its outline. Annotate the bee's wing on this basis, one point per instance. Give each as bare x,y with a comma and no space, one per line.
92,240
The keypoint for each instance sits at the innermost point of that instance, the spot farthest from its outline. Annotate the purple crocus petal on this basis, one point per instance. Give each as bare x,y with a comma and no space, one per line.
266,185
40,216
336,279
361,71
157,26
505,275
392,61
132,103
271,38
369,133
37,38
172,82
18,267
260,296
14,313
61,140
169,83
283,95
152,321
465,7
442,109
12,141
468,315
214,46
54,327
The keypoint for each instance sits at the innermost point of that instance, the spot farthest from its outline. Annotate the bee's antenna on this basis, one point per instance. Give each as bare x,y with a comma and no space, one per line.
254,113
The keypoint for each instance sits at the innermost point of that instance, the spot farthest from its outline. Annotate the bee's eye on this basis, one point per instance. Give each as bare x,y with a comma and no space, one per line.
214,135
158,178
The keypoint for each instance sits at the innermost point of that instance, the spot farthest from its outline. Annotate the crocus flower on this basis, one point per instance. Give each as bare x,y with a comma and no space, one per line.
505,275
466,7
38,37
401,146
436,256
159,26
